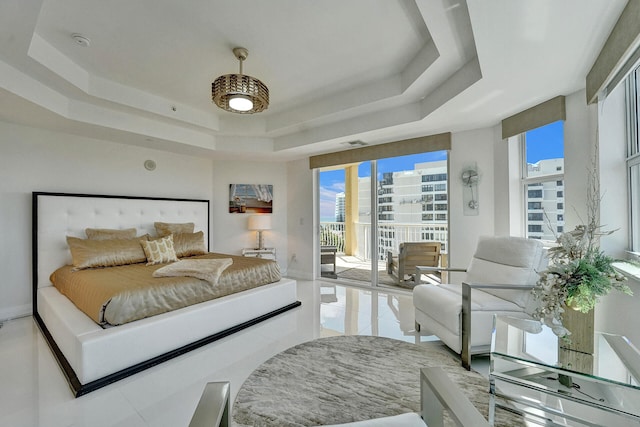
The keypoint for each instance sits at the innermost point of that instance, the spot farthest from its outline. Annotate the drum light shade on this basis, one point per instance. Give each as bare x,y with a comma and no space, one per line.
240,93
260,223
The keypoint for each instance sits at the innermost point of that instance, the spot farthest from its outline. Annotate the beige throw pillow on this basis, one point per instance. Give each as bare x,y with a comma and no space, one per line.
87,253
189,244
110,233
159,251
166,228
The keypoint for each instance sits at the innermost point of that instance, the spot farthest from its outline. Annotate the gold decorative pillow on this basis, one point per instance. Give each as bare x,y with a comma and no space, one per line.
87,253
110,233
166,228
159,251
189,244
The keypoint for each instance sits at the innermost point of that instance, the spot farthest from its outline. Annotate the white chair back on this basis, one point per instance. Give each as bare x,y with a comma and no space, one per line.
508,260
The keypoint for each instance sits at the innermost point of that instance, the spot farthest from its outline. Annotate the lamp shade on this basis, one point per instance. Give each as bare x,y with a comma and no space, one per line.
260,222
240,93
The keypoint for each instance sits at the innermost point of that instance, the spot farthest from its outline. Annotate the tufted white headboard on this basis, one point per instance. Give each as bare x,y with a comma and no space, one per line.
57,215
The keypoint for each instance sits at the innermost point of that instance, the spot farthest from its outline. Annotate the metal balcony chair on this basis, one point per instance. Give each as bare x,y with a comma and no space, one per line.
411,255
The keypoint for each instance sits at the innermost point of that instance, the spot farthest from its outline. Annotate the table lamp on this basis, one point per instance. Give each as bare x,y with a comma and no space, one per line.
260,223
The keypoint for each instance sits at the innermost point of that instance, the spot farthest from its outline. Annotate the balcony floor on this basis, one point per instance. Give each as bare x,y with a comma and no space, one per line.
353,269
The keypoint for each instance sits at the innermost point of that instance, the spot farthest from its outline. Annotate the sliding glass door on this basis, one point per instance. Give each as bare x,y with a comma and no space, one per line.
345,226
367,220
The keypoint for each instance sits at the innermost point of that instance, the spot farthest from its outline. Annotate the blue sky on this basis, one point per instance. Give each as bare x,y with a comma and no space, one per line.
546,142
542,143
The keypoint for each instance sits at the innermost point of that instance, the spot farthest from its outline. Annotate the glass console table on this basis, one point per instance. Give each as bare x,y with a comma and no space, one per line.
531,375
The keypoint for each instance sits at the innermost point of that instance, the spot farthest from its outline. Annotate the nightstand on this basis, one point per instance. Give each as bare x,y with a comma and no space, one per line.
268,253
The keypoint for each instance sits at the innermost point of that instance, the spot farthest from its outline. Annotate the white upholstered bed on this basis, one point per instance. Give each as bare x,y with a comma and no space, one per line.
91,356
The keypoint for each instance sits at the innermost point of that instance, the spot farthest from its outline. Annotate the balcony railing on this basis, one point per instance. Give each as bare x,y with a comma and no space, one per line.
390,235
332,234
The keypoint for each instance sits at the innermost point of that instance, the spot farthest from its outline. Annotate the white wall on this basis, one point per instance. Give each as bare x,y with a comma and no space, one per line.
229,231
39,160
579,150
467,148
300,230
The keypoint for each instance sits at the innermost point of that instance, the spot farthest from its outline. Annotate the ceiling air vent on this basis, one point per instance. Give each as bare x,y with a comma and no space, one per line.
355,143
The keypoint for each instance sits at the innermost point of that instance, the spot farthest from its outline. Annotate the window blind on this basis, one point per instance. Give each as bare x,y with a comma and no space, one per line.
618,55
542,114
405,147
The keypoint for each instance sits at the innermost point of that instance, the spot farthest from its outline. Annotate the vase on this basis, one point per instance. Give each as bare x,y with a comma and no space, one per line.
576,353
581,327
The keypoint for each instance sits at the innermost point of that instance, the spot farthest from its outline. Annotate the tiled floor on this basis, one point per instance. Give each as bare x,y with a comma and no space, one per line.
33,391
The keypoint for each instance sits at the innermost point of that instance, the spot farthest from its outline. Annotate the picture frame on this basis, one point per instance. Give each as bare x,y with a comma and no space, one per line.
250,198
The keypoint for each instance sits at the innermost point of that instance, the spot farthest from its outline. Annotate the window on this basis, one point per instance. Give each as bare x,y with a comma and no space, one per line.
440,187
441,197
543,179
633,157
560,217
434,177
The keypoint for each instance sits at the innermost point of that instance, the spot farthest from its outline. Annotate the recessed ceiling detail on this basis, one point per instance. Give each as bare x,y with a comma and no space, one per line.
362,70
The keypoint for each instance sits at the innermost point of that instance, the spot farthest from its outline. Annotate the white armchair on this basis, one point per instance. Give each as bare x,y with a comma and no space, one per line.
499,280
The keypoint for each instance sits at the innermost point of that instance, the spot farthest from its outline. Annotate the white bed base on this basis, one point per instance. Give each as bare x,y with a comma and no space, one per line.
92,357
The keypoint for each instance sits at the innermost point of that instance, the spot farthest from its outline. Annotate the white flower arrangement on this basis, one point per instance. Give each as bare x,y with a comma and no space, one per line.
579,272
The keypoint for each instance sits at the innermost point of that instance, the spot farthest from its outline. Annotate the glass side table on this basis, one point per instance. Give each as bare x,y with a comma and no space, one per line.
532,376
267,253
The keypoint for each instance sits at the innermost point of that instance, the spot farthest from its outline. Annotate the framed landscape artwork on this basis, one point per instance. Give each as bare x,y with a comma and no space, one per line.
250,198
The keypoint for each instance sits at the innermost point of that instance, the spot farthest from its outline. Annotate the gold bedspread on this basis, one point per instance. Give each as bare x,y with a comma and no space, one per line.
117,295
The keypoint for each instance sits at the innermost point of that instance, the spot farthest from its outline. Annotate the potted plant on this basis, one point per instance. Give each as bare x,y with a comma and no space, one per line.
579,273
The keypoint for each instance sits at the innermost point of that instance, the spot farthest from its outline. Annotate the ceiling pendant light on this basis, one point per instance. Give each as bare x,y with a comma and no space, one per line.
240,93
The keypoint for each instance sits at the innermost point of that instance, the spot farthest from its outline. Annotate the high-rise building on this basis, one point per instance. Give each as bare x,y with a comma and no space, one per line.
545,200
340,212
412,196
407,199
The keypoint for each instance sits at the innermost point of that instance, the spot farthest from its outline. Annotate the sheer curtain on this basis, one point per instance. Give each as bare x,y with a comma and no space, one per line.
263,192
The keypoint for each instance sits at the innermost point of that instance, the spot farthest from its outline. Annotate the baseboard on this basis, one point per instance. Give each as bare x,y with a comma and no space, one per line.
299,274
13,312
